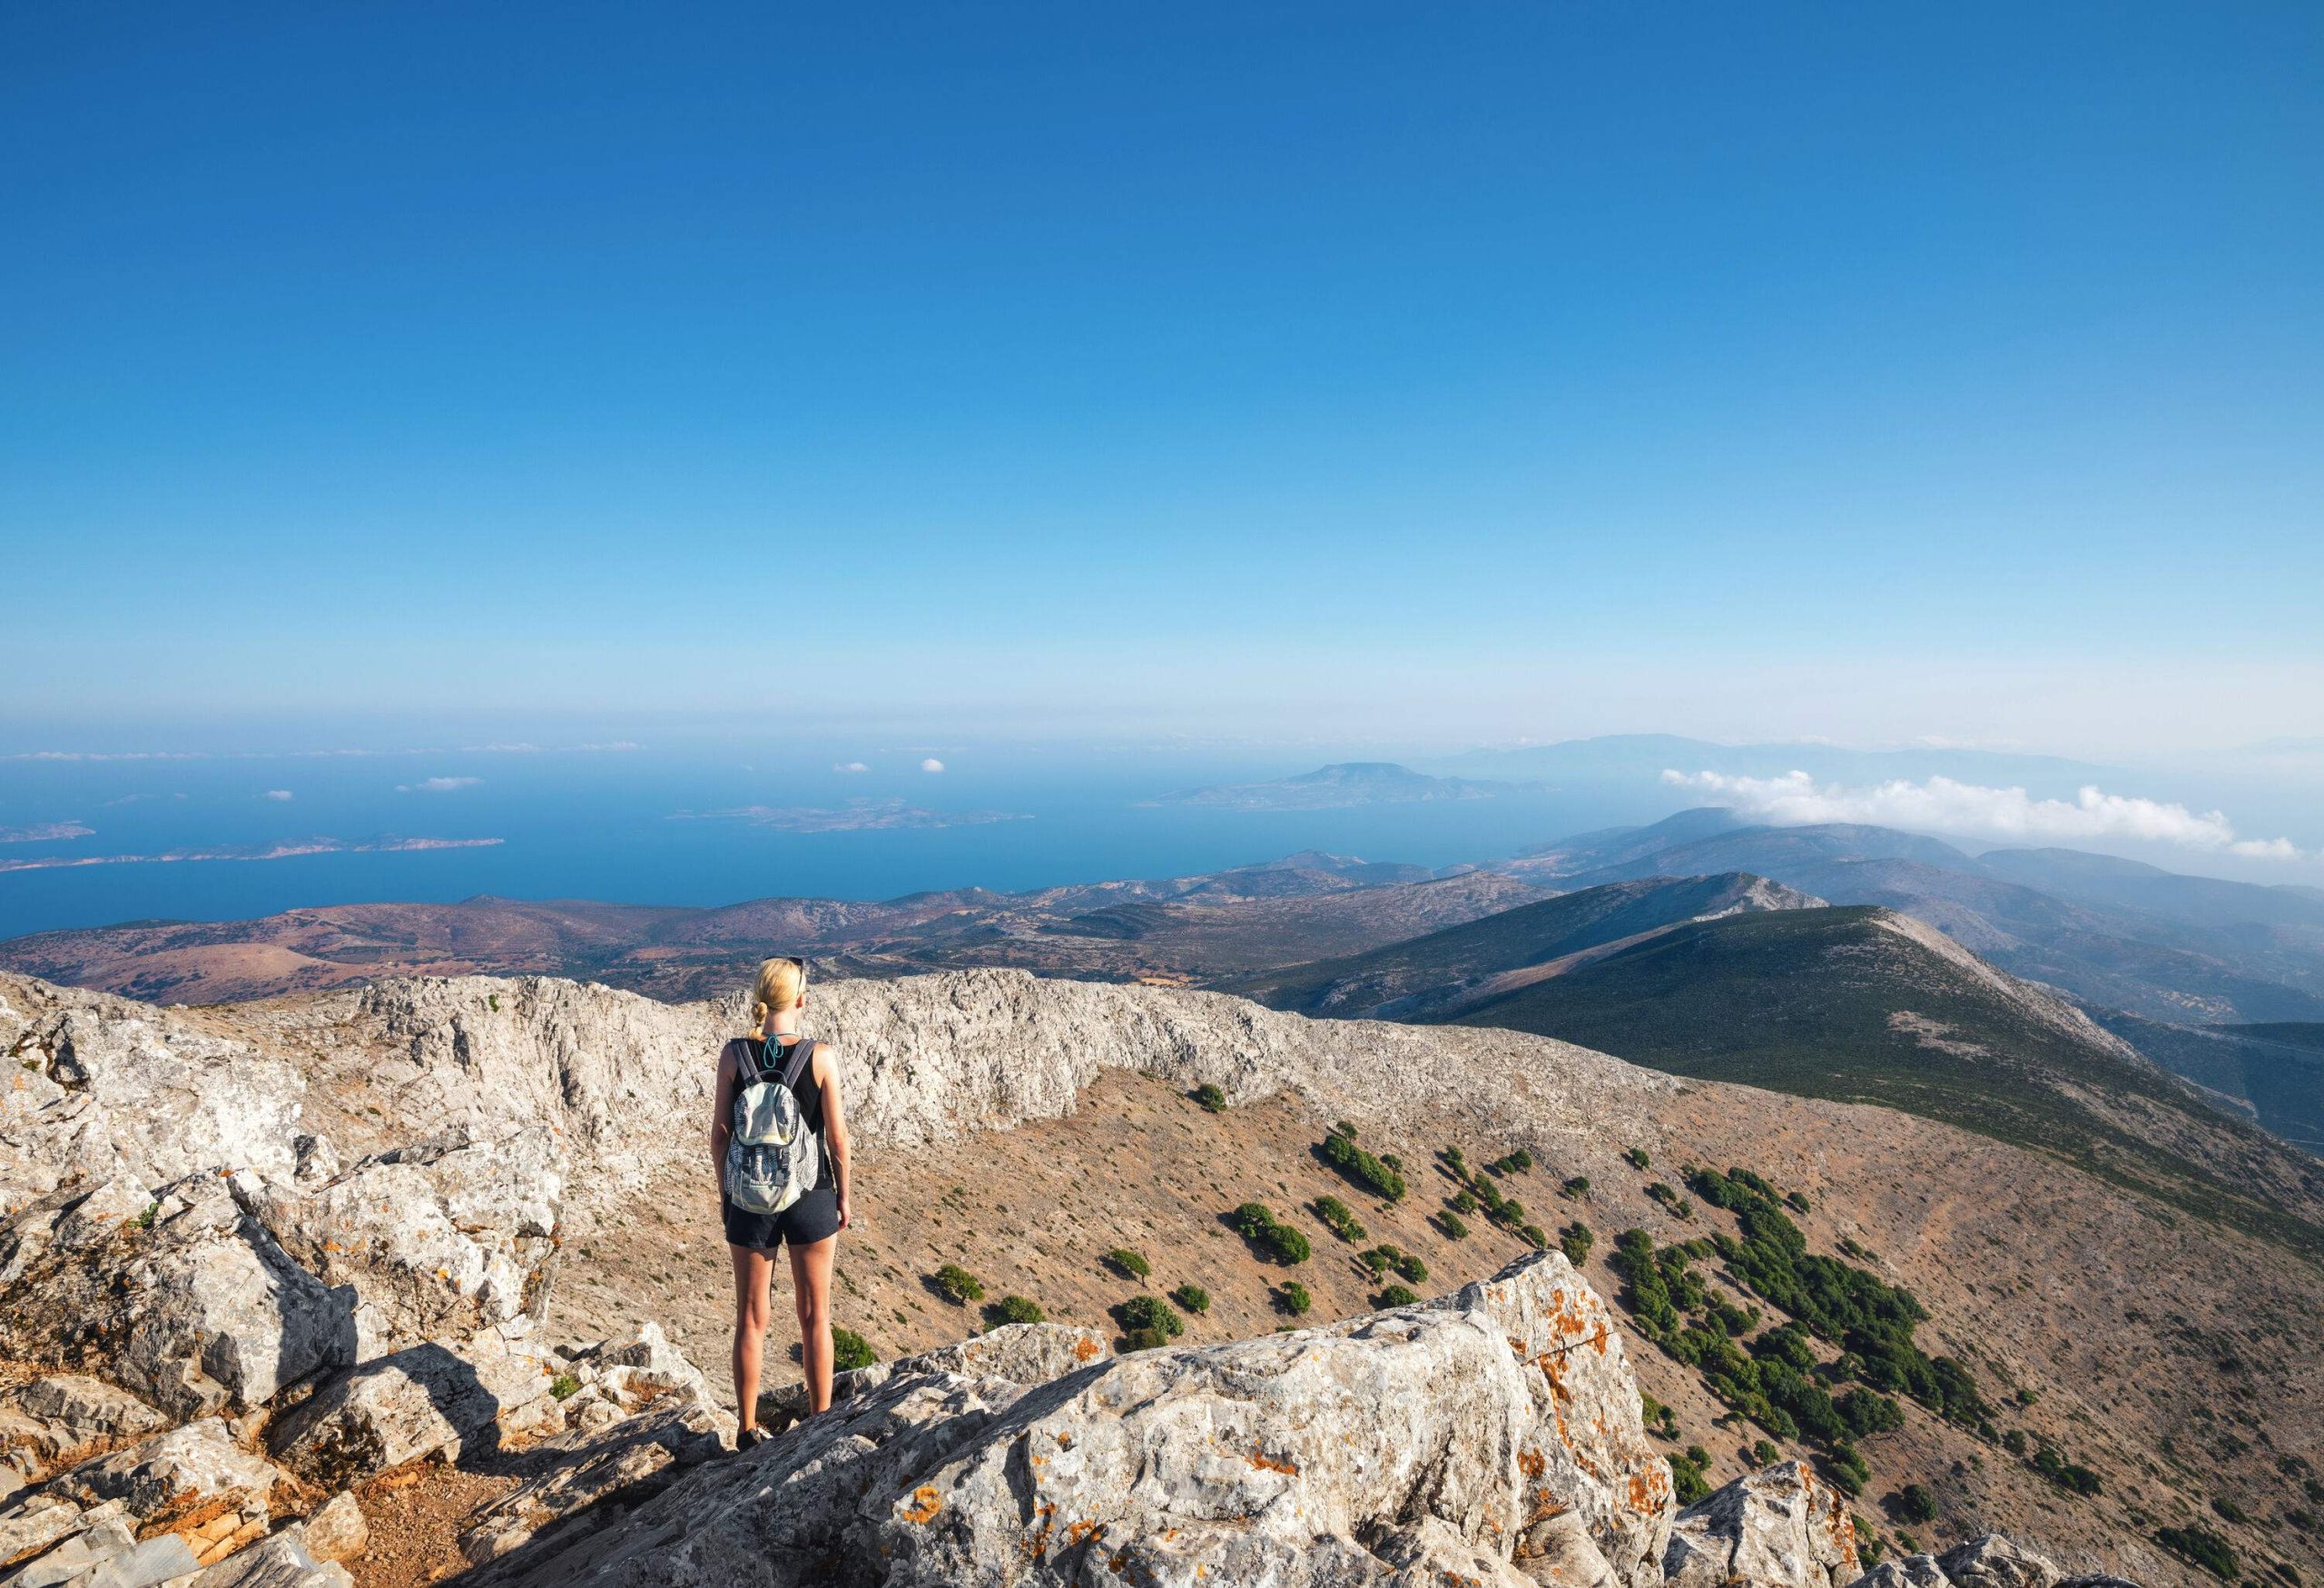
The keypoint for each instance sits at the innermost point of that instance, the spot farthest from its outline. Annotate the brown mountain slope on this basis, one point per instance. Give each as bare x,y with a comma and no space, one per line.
1222,923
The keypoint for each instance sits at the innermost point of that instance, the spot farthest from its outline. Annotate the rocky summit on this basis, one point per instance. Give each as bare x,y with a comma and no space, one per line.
276,1297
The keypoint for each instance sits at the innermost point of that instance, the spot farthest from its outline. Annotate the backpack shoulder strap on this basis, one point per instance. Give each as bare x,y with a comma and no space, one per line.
798,1065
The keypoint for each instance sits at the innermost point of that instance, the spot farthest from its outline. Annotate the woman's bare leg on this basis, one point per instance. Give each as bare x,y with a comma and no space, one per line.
753,1272
810,1285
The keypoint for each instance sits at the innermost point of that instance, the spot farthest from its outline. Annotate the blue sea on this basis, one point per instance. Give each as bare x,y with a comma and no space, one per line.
634,824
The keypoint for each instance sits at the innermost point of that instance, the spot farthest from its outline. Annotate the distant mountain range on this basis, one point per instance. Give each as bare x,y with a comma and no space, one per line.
1640,759
1346,784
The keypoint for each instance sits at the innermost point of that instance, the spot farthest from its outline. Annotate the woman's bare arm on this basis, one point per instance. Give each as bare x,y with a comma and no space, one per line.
834,1123
721,1115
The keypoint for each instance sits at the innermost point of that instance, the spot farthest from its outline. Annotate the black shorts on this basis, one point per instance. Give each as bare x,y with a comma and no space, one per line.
813,1217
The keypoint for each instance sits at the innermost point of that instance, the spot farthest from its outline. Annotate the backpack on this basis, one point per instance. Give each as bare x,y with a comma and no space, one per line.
771,1157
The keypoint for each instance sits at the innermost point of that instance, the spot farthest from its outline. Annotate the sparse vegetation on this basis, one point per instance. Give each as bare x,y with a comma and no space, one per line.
1384,1258
1451,1224
2076,1478
1535,1235
1338,1219
1375,1175
1636,1154
1452,1160
957,1284
563,1386
1292,1297
1274,1239
1512,1163
1914,1503
850,1350
1394,1296
1575,1240
1128,1264
2200,1546
1465,1202
1191,1298
1209,1095
1575,1188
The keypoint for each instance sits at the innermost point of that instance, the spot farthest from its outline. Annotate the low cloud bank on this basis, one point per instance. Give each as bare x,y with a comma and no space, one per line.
1943,805
437,784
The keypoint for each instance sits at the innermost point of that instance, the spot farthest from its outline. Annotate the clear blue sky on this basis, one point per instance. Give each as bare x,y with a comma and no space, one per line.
1468,371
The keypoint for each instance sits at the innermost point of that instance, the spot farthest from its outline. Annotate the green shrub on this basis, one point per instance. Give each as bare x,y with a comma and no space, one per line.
1466,1202
1128,1264
1275,1239
1636,1154
1914,1503
2229,1508
1292,1297
850,1350
1798,1203
1576,1188
1373,1174
1512,1163
1451,1160
1209,1095
1846,1470
1143,1340
563,1385
1452,1225
1394,1296
1764,1452
1575,1240
1191,1298
1687,1478
958,1286
2201,1547
1150,1312
1379,1259
1015,1309
1410,1268
1535,1235
1338,1219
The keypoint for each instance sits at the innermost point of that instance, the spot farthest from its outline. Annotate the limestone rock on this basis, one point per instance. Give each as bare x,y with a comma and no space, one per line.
794,1511
439,1239
1992,1561
190,1303
194,1480
286,1560
337,1532
646,1372
144,1565
1781,1527
1907,1571
53,1423
120,1090
1022,1353
578,1471
30,1523
1587,1451
83,1551
423,1401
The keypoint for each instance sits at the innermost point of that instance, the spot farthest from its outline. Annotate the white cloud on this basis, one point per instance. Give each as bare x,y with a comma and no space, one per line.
849,767
931,764
1943,805
279,794
437,784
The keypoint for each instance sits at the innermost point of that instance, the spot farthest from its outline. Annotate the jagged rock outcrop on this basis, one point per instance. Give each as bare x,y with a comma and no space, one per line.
1992,1561
53,1423
1019,1353
444,1397
439,1239
177,1296
1781,1527
196,1482
1390,1448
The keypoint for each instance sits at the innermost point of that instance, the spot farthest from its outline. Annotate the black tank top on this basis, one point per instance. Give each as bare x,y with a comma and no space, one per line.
770,1058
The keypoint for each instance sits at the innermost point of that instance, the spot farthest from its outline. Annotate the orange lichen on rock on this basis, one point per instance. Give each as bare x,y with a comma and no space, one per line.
926,1504
1263,1462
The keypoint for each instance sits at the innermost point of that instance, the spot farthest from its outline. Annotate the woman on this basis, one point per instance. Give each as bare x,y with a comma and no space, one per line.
810,1225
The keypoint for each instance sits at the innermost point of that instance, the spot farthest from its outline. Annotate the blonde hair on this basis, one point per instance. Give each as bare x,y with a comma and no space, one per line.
782,983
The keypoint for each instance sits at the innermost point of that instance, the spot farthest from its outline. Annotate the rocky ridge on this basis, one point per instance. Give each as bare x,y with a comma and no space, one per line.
231,1286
